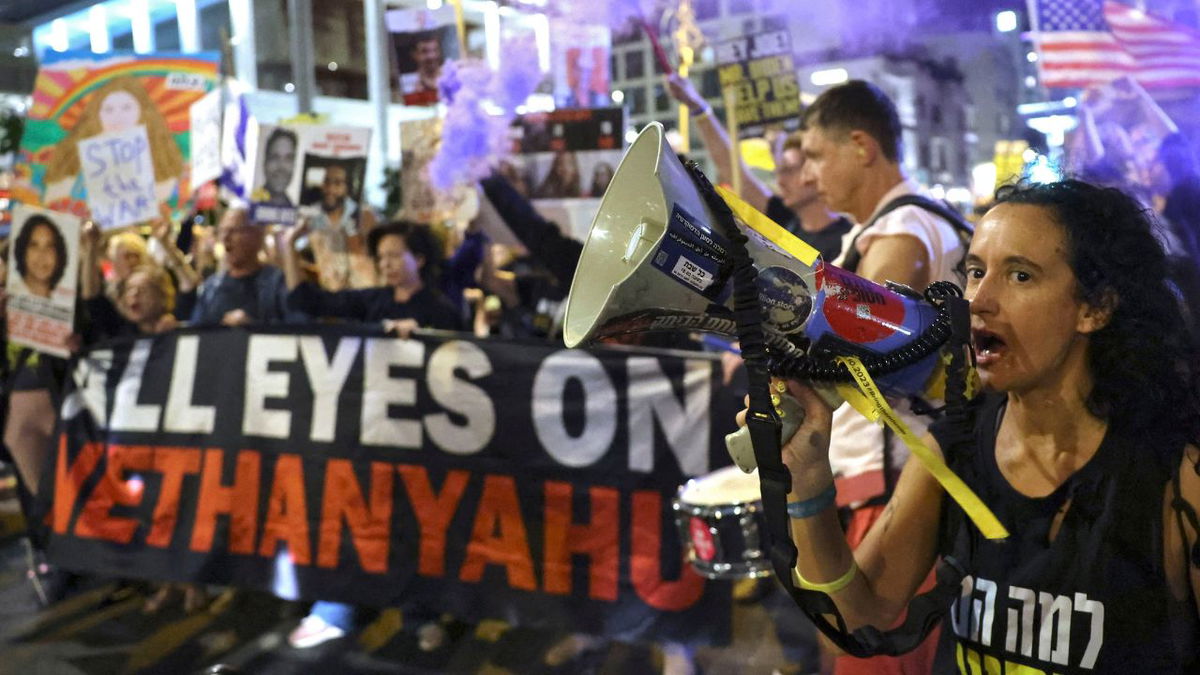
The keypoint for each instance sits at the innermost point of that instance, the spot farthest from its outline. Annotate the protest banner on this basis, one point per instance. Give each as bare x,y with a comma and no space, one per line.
580,54
421,41
119,175
334,161
564,160
205,119
43,263
79,95
760,70
486,478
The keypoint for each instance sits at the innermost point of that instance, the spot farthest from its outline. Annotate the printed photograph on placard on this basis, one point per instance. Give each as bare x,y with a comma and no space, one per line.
275,188
43,260
580,56
564,161
334,166
79,95
421,41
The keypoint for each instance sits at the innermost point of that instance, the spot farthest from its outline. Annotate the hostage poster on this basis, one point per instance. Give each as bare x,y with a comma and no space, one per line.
79,95
42,268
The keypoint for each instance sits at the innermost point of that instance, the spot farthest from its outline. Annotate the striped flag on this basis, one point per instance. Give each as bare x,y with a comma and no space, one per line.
1088,42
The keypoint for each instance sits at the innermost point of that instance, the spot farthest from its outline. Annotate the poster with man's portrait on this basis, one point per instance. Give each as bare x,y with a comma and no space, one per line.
43,264
275,187
334,162
421,41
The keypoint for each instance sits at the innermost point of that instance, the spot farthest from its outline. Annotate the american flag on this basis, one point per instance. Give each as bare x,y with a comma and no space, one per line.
1089,42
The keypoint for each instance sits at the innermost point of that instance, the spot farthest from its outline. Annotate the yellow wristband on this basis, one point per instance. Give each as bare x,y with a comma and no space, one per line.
830,587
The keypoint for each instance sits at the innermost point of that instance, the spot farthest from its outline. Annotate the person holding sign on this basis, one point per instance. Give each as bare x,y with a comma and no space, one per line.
1084,447
118,106
797,208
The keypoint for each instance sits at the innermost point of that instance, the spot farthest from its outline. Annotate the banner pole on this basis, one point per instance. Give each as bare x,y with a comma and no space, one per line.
735,145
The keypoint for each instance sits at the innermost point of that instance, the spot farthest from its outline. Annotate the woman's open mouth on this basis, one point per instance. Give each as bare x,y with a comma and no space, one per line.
989,347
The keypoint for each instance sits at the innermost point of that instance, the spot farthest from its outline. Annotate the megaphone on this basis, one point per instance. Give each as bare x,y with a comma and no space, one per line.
654,262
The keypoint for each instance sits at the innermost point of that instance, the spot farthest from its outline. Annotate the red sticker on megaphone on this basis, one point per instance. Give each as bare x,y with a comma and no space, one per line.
859,310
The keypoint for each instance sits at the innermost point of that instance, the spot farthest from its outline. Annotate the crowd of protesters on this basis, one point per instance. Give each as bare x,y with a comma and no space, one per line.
144,281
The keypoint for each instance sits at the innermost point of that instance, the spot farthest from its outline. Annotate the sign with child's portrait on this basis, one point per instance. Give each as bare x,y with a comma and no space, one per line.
334,165
43,262
79,95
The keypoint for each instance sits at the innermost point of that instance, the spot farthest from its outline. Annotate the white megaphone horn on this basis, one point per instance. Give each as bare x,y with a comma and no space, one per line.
654,262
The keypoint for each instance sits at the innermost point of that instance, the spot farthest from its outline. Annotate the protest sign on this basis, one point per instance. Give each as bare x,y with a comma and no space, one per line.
79,95
421,40
42,268
119,176
276,180
205,117
564,160
484,477
334,161
760,71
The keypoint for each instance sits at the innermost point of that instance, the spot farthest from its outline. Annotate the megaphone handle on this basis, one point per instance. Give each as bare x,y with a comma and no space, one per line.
791,416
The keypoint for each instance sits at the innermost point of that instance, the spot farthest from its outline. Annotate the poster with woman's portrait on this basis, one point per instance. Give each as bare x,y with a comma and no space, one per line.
421,41
43,263
79,96
564,161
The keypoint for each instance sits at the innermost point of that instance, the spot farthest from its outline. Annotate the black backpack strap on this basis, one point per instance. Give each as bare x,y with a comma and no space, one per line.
853,258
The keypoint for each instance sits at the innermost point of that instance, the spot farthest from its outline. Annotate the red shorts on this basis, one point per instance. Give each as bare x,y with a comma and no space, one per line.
917,662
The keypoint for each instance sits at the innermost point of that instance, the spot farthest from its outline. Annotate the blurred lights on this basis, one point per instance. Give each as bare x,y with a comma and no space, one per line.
631,136
1006,21
829,76
1030,81
433,4
1031,57
618,97
1070,102
21,52
289,87
333,66
98,29
1042,171
60,40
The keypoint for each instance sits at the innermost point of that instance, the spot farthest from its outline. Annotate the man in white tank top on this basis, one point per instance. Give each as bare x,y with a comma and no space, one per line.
852,143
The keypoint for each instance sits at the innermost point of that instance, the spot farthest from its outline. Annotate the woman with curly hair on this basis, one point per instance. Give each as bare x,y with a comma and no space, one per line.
119,105
1083,444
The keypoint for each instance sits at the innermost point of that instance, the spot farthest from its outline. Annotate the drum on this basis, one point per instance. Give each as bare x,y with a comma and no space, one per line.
720,520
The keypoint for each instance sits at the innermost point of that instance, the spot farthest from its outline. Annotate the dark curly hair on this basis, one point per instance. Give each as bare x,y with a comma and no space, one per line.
420,240
1143,361
21,245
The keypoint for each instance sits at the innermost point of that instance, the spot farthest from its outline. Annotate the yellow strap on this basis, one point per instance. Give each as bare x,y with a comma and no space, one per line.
869,402
763,225
828,587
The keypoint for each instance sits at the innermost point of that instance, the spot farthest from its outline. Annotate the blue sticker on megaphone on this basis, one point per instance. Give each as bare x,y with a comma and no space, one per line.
693,255
786,300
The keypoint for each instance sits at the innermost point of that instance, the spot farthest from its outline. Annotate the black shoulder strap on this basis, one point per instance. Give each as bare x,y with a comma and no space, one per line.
853,257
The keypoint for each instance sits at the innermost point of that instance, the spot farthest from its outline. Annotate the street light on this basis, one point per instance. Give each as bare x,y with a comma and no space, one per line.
1006,21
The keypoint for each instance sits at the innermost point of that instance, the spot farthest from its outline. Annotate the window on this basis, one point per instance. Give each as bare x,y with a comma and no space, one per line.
166,36
710,84
935,115
741,6
662,102
636,97
213,19
706,9
635,64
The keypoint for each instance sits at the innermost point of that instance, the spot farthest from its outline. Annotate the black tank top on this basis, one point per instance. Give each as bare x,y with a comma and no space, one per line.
1095,600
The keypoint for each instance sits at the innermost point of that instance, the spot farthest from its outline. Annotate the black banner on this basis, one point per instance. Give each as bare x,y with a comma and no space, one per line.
760,70
482,478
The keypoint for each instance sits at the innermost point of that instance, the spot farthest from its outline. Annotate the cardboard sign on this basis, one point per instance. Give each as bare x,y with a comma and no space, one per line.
276,182
119,175
421,41
205,118
79,95
760,70
42,268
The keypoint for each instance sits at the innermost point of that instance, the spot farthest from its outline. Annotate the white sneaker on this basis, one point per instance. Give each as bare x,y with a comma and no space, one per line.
313,631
